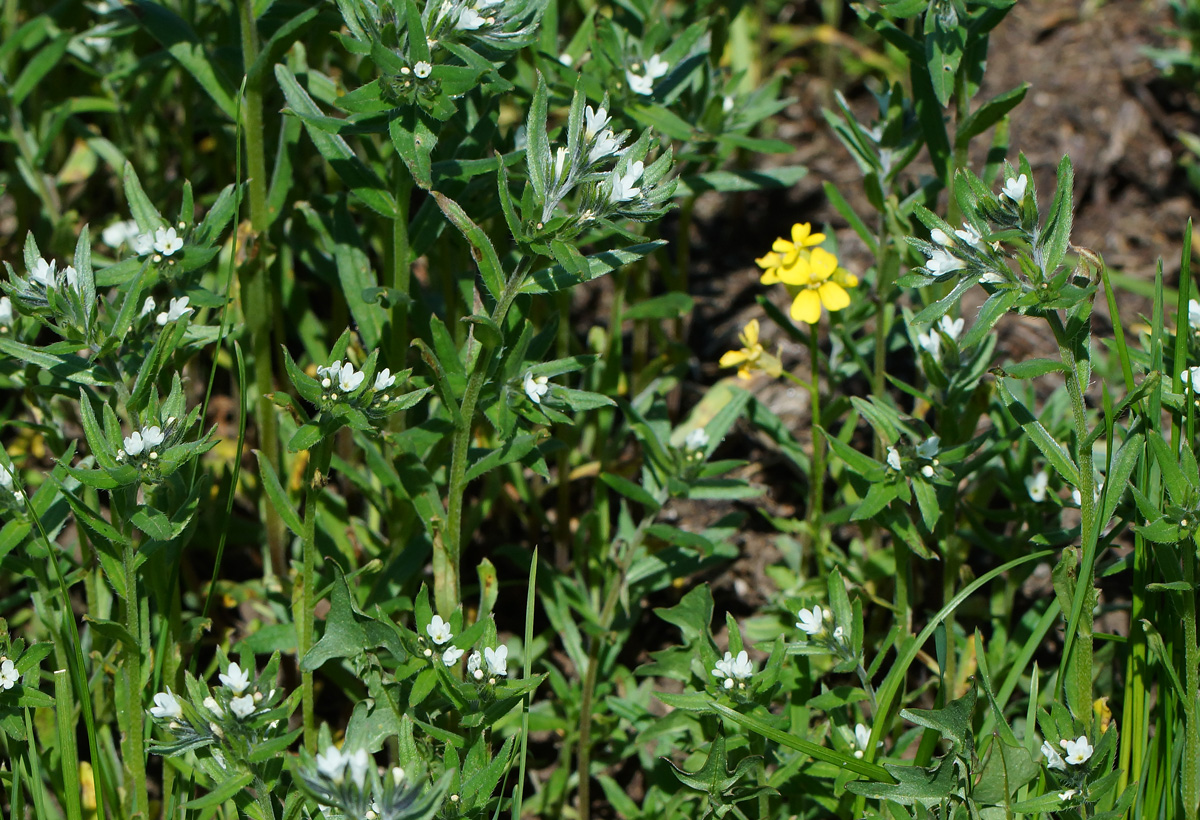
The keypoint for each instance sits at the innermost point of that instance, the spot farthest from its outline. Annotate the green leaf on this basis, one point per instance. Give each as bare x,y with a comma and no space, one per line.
914,784
225,790
482,250
177,37
952,722
38,67
1033,368
668,306
988,114
633,492
277,495
537,146
549,280
1054,452
1057,234
729,181
344,637
512,450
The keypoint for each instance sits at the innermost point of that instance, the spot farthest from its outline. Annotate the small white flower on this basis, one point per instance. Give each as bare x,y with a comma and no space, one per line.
696,440
1078,750
893,458
6,479
839,634
6,311
451,655
210,703
329,374
1014,189
969,235
397,775
469,19
1036,485
331,764
643,83
43,272
811,623
72,277
152,436
930,342
951,327
359,760
566,59
1053,758
439,630
166,706
142,244
473,664
560,162
235,678
733,669
606,144
595,120
623,185
242,707
119,233
348,380
862,739
1192,376
422,69
727,104
134,444
166,241
148,306
536,388
1068,794
991,278
384,379
1194,313
497,659
940,237
942,263
927,471
8,674
929,447
176,310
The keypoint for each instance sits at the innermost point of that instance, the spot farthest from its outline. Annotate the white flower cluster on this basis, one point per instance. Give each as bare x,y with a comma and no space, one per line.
734,671
243,702
1078,752
536,387
46,275
641,76
927,451
148,440
931,342
8,674
342,378
439,632
163,241
496,660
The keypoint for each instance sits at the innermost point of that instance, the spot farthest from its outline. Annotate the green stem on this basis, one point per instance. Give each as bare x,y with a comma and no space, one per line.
318,474
134,751
1191,740
447,549
816,500
401,270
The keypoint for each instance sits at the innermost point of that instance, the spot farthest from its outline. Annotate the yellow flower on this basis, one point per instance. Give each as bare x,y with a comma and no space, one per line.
820,282
785,254
752,356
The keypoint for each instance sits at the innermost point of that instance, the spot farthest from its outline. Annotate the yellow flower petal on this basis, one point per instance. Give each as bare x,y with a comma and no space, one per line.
845,278
833,296
802,235
750,333
807,307
732,358
796,274
821,265
771,260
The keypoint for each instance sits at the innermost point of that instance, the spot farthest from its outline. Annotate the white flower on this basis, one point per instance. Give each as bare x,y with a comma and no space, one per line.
940,237
893,458
176,310
6,478
384,379
422,69
152,436
968,234
656,67
166,241
1194,313
348,380
696,440
839,634
469,19
134,444
439,630
1053,758
43,272
560,162
166,706
811,623
951,327
330,373
566,59
8,674
243,707
734,669
497,660
623,188
931,343
606,144
643,83
862,739
1068,794
473,663
359,760
1036,485
235,678
6,311
142,244
1078,750
991,278
1192,376
929,447
727,104
942,263
536,388
1014,189
451,655
72,277
148,306
119,233
927,471
331,764
210,703
595,120
397,775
